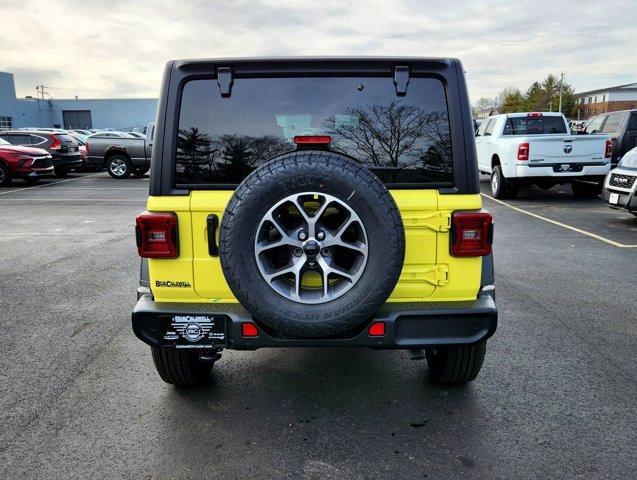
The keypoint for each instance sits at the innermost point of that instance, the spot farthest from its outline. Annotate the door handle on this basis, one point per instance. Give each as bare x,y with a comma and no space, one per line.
212,222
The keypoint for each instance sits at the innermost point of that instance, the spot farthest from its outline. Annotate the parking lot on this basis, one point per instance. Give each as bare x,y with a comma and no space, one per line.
82,398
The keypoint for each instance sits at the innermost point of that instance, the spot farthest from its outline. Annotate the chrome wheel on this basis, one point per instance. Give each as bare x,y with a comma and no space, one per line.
311,247
117,167
495,181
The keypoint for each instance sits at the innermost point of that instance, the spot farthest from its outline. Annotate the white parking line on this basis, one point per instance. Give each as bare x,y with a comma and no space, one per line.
47,184
563,225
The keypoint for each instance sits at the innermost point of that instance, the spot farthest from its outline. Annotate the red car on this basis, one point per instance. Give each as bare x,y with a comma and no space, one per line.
23,162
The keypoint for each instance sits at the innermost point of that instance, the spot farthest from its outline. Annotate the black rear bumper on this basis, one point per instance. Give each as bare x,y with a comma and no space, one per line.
407,325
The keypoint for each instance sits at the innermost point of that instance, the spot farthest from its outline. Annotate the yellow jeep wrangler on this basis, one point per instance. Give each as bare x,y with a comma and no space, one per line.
314,202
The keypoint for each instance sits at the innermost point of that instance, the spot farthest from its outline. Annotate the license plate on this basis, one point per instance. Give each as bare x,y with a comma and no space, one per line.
193,331
613,198
72,149
565,167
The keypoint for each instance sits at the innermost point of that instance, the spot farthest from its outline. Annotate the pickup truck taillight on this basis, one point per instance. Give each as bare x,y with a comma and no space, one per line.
523,151
471,234
609,149
156,234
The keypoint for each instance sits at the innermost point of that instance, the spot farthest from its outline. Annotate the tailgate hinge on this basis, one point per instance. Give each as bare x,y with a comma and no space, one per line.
225,80
436,221
435,274
438,275
401,79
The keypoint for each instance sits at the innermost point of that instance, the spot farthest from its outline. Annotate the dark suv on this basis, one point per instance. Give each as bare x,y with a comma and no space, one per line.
63,148
622,128
315,203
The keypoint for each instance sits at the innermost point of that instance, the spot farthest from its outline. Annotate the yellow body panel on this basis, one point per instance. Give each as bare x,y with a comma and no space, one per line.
429,273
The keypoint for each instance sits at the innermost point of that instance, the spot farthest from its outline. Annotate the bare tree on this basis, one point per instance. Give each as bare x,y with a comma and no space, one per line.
381,133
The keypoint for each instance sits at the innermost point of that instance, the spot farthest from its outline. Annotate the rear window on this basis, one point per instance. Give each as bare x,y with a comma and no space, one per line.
403,140
534,125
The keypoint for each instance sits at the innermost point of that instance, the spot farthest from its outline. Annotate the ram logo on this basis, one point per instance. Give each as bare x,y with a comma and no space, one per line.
568,148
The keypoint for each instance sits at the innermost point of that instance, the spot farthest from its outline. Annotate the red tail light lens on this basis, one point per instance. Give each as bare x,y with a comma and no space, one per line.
312,139
249,330
523,151
86,147
56,145
534,115
471,234
157,235
609,149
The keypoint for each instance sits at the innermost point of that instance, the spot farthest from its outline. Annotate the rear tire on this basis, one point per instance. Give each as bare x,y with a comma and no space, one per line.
181,368
586,190
500,186
5,176
458,364
119,167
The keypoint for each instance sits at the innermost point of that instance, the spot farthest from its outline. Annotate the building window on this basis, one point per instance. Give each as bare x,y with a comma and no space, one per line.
604,98
6,123
590,99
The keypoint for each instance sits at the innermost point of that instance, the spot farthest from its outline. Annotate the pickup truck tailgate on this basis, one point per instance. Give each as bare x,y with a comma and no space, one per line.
566,149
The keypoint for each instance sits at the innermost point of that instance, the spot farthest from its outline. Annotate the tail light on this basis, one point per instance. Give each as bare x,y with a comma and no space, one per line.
523,151
156,234
534,115
86,147
56,145
312,139
471,234
609,149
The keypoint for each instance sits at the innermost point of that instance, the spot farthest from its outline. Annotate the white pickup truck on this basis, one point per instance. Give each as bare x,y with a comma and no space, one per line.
537,148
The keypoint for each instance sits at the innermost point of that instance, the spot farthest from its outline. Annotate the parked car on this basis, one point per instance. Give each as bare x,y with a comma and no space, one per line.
620,187
81,142
536,148
79,135
137,134
111,134
120,153
84,133
259,236
63,148
27,163
621,126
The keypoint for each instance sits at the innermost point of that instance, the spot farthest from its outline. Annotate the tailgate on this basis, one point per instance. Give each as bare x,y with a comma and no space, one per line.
429,272
566,149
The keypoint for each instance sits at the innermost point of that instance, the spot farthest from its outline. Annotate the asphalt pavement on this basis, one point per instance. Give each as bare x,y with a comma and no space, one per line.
81,399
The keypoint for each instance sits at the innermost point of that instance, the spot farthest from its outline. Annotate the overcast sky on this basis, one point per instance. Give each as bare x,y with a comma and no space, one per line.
118,48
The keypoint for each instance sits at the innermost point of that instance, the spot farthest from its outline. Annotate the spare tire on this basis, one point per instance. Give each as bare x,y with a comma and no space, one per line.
312,244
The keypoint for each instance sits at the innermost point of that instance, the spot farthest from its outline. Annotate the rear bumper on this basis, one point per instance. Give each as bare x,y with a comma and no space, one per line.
407,325
546,170
70,161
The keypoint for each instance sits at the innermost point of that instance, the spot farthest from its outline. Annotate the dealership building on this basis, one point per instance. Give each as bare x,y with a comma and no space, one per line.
609,99
117,113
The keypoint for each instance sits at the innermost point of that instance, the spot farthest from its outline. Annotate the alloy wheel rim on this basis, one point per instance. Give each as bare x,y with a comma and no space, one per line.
311,247
118,167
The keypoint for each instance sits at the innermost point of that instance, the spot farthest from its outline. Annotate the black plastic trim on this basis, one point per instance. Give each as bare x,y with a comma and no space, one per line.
407,325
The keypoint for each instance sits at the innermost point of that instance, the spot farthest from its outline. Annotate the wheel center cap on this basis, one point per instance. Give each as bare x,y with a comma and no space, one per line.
311,248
